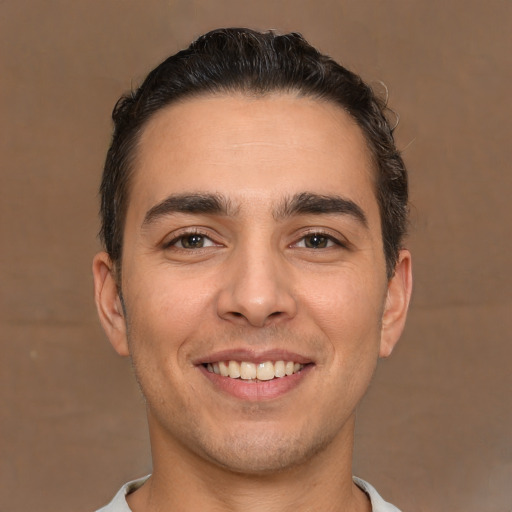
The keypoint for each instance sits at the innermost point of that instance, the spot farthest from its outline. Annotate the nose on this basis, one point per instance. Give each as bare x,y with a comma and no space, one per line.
256,290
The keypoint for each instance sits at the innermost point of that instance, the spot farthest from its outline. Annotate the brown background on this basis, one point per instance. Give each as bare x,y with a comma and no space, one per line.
435,431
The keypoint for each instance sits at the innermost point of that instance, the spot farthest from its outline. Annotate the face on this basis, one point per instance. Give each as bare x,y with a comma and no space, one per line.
256,302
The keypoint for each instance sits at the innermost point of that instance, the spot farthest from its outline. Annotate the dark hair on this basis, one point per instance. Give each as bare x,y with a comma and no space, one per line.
243,60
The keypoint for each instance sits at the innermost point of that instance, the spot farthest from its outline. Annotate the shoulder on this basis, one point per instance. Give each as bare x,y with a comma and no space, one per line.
378,504
118,504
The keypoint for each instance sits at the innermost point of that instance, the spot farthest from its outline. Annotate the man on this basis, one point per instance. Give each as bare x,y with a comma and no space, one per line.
253,208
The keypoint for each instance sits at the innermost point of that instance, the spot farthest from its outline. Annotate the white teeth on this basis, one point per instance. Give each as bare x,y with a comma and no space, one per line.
234,369
247,370
280,369
250,371
265,371
224,369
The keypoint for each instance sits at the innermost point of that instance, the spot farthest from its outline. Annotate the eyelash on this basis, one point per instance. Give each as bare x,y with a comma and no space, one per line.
319,233
322,234
187,234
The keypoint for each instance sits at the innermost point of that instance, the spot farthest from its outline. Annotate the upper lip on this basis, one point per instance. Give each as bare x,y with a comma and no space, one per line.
253,356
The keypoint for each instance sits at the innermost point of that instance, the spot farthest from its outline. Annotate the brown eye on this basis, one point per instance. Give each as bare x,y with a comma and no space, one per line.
191,240
194,241
316,241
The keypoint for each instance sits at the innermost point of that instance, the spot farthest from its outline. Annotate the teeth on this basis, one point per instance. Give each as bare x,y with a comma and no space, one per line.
250,371
247,371
280,369
265,371
234,369
224,369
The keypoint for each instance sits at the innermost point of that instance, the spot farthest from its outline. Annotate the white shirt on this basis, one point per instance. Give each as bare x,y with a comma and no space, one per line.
118,504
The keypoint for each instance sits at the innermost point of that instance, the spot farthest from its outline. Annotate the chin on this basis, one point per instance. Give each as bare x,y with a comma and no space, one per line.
264,453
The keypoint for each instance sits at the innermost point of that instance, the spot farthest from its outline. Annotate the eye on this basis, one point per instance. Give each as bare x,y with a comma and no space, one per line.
191,241
316,241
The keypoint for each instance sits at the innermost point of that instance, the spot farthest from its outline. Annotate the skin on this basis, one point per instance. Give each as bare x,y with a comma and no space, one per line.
257,284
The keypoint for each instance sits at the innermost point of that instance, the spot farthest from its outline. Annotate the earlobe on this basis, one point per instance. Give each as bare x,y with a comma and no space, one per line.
397,304
108,303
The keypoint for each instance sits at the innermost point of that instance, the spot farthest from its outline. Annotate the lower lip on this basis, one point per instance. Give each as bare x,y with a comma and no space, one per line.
256,390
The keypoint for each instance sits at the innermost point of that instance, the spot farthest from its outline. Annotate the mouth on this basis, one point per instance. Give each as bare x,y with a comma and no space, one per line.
249,371
250,376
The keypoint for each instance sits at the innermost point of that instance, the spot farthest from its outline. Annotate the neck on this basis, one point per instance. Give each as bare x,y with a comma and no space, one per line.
182,481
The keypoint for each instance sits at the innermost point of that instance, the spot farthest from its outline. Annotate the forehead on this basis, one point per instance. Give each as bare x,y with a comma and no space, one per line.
252,149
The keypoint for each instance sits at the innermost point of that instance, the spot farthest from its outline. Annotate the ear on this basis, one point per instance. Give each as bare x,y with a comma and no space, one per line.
108,303
397,303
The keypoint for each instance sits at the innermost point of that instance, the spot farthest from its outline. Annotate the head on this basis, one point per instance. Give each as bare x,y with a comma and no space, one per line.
255,64
256,204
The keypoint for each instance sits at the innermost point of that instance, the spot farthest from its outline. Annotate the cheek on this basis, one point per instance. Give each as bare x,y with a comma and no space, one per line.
348,313
163,313
347,307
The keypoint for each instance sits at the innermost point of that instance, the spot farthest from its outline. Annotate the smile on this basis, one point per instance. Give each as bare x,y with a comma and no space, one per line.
245,370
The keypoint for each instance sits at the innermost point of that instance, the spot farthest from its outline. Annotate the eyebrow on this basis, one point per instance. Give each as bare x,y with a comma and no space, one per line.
212,204
307,203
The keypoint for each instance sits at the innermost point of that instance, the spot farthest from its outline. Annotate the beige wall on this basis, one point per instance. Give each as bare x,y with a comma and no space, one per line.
435,431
